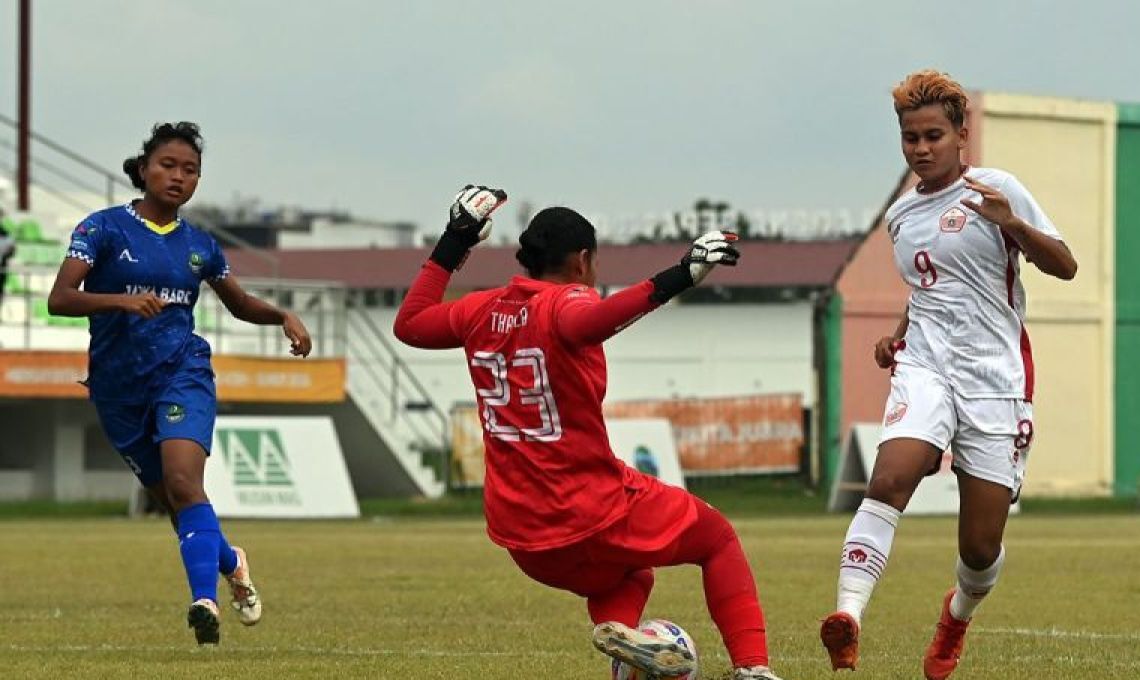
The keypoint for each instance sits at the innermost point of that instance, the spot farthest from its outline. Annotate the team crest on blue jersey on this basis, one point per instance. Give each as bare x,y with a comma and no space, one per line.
197,262
175,414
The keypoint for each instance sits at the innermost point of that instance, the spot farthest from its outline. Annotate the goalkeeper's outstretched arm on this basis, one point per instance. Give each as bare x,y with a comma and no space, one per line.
585,320
424,320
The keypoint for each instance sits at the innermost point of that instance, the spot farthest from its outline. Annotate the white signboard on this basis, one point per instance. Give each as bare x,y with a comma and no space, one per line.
286,467
647,444
936,494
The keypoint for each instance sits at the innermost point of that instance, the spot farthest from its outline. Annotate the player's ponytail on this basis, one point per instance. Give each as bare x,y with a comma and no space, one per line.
552,235
530,254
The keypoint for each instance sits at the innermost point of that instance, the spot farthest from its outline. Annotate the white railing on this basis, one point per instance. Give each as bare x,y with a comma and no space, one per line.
397,406
26,324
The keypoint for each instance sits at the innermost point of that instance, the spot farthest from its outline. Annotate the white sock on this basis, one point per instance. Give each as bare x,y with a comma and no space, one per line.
973,586
865,552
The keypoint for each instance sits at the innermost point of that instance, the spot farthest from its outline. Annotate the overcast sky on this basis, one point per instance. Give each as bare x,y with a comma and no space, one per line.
616,107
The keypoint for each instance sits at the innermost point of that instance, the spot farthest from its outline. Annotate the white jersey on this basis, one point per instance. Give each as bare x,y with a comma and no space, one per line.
967,304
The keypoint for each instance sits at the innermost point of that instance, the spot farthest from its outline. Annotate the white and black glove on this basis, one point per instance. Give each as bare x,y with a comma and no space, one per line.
711,249
468,223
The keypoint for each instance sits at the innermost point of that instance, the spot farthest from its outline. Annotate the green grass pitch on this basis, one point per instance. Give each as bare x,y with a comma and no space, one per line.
433,598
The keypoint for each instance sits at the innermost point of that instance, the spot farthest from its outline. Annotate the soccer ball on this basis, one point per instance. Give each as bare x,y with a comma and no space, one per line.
666,630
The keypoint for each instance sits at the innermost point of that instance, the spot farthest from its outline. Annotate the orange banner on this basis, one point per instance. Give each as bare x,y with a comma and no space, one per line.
279,380
757,433
43,374
57,375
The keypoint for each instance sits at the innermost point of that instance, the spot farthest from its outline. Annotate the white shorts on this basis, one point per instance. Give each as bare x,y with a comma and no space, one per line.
988,438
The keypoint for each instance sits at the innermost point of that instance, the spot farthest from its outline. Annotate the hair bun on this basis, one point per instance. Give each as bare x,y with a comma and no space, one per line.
131,168
534,237
528,258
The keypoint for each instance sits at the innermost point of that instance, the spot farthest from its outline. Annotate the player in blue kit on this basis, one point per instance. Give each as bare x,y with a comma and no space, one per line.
149,375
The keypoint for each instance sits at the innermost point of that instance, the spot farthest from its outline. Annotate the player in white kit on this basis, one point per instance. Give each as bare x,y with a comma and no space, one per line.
961,363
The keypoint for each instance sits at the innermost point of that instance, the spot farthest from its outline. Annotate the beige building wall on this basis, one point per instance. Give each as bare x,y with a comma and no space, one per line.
1063,152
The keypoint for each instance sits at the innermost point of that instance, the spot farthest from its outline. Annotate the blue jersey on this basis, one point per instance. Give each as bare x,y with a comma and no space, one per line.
130,355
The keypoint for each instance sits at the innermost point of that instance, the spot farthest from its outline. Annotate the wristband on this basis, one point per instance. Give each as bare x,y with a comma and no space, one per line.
450,250
669,282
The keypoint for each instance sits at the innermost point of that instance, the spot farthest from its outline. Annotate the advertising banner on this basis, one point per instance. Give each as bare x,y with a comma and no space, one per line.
467,467
279,380
50,374
747,434
646,444
43,374
282,467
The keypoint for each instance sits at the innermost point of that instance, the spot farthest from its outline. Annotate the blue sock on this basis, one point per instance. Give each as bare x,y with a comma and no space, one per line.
198,538
227,558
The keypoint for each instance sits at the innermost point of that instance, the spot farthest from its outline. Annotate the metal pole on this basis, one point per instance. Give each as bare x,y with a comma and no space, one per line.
395,401
24,94
340,318
321,307
277,302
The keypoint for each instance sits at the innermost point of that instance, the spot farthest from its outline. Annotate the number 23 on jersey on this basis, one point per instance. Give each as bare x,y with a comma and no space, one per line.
497,398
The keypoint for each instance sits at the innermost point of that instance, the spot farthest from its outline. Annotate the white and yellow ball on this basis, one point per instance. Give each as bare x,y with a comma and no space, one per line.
666,630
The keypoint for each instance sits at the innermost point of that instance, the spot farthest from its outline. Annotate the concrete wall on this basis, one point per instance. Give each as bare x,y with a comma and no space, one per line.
326,234
1064,152
53,449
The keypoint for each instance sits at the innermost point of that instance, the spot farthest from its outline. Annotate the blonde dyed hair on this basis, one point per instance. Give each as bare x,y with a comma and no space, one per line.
923,88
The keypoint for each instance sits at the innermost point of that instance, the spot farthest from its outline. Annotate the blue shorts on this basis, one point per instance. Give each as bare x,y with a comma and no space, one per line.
184,407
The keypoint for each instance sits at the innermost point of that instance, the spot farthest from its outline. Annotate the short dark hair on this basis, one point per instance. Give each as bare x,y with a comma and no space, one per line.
160,134
552,235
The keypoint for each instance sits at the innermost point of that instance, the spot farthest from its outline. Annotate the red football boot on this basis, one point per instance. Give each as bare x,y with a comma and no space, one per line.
946,648
840,635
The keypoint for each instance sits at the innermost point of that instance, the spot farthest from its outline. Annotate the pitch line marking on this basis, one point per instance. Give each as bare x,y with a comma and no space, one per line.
1055,633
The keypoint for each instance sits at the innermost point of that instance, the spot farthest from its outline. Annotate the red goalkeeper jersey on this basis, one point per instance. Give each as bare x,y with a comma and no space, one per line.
535,357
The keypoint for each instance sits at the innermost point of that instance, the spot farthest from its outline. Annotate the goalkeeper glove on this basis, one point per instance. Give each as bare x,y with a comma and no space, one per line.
709,250
469,222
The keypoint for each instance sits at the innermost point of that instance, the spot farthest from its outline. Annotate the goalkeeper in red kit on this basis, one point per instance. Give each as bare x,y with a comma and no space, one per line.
572,515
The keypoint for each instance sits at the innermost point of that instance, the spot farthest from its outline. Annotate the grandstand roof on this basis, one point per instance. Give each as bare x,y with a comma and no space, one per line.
813,264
